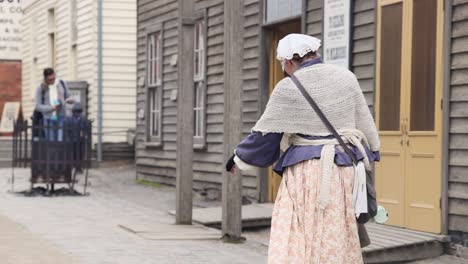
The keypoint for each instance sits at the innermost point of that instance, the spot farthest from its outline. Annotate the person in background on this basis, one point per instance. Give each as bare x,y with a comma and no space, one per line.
53,113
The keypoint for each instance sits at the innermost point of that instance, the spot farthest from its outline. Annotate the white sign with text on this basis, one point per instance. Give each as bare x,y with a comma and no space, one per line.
11,12
10,114
337,32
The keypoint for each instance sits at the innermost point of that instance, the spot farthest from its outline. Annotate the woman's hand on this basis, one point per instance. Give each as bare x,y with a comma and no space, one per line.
231,165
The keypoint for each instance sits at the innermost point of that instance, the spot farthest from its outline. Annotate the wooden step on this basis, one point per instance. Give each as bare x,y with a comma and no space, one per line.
394,244
253,215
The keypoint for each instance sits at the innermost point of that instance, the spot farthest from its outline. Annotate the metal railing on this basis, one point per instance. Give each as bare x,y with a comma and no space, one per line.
55,151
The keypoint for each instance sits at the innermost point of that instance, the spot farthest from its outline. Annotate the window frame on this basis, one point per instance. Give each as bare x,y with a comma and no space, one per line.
290,16
157,87
51,36
73,47
199,142
158,58
73,8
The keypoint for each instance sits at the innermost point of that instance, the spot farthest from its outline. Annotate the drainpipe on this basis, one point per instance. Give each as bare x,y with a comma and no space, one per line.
446,113
99,82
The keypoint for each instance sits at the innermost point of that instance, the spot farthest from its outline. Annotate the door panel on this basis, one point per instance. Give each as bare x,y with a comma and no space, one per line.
390,178
408,177
275,75
390,69
423,184
390,105
424,65
424,143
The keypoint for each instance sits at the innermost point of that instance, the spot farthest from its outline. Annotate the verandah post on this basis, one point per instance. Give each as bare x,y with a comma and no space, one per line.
233,60
185,115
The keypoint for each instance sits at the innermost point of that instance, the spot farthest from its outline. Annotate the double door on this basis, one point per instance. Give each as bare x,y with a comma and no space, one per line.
409,111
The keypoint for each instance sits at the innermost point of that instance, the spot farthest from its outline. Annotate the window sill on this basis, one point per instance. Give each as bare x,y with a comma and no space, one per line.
199,143
153,145
199,147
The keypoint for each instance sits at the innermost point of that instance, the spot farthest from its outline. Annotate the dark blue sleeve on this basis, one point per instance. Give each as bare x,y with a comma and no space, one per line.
376,156
260,150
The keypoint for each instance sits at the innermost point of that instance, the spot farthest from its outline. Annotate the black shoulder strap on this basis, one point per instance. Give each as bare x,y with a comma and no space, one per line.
324,118
65,89
42,95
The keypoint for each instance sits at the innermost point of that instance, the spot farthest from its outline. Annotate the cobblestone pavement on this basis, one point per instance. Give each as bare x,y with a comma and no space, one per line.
90,227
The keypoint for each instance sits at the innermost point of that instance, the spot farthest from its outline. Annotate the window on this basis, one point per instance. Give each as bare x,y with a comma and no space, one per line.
34,66
276,10
51,37
155,113
154,59
73,41
199,83
423,73
74,21
154,81
390,68
199,59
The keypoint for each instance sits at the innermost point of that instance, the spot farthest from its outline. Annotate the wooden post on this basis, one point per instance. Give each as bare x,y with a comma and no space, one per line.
184,170
263,84
233,60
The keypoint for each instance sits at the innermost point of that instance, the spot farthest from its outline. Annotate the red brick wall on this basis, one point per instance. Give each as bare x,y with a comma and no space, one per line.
10,82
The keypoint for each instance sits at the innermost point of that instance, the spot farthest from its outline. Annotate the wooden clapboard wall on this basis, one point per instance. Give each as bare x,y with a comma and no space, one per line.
251,103
458,148
252,31
313,18
119,18
364,39
158,163
208,162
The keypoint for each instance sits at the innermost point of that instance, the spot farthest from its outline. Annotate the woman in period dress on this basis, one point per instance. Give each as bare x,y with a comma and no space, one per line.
314,216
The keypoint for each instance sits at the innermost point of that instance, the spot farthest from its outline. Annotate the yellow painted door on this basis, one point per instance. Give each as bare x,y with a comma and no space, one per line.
409,112
275,75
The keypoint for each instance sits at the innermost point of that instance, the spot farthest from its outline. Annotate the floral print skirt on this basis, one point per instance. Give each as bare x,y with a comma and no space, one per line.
301,232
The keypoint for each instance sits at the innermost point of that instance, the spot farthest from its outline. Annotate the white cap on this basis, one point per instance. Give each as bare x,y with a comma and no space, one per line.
296,44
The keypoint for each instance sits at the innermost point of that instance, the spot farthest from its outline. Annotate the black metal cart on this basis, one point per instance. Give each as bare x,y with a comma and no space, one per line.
56,152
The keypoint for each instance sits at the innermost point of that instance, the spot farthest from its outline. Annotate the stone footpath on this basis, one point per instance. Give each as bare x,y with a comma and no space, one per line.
120,222
104,228
18,245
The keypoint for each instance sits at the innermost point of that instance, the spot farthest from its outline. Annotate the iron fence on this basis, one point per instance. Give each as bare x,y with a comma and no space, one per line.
55,151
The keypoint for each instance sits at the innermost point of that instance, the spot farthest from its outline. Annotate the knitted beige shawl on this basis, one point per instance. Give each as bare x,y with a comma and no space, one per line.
335,90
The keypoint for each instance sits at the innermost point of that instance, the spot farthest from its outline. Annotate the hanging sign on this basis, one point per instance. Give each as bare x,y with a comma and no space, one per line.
11,12
337,32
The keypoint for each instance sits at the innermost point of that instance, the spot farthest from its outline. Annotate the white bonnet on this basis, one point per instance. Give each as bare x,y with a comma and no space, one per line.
296,44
